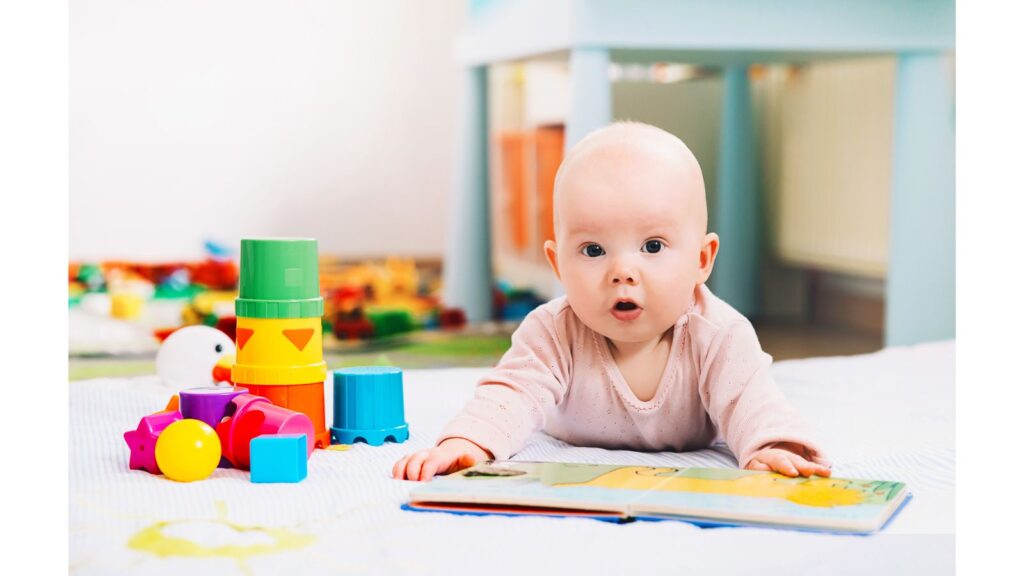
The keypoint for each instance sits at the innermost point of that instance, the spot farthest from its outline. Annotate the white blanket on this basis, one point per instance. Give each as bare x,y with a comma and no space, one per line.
887,415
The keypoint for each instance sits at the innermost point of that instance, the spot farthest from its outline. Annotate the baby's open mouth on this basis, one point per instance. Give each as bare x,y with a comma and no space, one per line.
626,310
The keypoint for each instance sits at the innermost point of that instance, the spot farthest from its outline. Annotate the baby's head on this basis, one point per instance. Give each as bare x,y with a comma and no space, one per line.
631,242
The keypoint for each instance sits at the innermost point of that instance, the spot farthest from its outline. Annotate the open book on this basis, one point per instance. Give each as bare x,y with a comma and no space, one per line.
706,496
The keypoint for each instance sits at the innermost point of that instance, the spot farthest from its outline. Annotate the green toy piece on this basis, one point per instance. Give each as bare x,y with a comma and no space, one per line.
279,279
390,322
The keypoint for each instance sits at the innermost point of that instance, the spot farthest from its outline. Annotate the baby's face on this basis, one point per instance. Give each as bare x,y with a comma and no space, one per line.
631,240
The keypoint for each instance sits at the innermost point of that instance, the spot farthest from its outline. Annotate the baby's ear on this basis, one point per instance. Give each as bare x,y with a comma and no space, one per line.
708,252
551,252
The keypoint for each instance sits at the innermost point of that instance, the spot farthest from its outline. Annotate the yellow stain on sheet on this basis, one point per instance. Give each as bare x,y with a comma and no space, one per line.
339,447
156,541
815,491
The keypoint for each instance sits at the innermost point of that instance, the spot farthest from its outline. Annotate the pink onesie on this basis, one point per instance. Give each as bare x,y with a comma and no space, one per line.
559,376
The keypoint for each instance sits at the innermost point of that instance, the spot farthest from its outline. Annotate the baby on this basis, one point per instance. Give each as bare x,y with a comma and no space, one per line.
638,354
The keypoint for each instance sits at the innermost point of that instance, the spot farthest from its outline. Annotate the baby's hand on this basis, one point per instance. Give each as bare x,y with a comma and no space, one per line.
788,459
452,455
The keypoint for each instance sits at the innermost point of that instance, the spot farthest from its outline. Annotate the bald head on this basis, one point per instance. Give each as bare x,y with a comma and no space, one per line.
632,157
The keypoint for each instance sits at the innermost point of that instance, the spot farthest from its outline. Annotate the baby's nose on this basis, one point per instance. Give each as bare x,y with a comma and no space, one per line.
627,277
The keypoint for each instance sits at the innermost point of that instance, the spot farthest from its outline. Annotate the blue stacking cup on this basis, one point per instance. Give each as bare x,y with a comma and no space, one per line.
369,406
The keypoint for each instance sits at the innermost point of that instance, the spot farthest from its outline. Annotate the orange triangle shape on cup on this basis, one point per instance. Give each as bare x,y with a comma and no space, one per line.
299,337
242,336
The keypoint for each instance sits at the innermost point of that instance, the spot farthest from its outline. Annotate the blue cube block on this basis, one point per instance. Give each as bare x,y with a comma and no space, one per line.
277,458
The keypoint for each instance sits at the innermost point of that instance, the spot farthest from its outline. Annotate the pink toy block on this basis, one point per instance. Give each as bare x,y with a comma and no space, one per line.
142,440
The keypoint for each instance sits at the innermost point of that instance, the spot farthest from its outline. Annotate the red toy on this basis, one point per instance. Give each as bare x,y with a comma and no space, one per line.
254,416
451,318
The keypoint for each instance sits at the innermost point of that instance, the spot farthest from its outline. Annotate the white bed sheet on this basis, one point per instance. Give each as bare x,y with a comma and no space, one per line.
888,415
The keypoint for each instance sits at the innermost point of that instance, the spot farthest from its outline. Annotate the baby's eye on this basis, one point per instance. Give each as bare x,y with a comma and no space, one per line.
652,246
592,250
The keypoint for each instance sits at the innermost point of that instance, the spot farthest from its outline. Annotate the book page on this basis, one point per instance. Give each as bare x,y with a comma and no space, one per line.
746,496
551,484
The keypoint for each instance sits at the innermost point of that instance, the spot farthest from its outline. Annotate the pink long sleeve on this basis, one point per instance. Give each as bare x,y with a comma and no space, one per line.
742,399
513,400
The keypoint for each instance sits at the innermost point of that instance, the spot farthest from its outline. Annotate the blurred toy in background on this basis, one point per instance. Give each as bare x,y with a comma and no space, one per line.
351,325
379,300
83,280
393,282
75,291
77,285
176,283
126,287
195,356
128,293
370,300
512,304
451,318
209,274
90,276
209,307
215,274
126,305
218,251
391,321
227,325
217,271
214,308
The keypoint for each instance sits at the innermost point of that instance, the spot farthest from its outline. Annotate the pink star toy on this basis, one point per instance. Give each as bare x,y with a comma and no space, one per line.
142,440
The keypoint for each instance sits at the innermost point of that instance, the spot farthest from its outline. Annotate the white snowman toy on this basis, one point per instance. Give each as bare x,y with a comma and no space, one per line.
189,356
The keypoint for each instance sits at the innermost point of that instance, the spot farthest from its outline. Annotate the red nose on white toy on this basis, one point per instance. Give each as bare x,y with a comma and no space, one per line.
188,356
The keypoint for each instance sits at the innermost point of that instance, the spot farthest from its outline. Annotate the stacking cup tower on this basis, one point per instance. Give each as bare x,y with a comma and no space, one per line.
279,331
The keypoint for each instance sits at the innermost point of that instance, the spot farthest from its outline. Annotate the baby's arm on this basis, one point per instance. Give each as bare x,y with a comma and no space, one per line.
762,429
510,403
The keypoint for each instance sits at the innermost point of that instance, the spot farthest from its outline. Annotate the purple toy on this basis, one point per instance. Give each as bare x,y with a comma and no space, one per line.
142,440
209,403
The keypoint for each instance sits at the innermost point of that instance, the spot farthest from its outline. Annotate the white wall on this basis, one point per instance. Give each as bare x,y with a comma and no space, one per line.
196,119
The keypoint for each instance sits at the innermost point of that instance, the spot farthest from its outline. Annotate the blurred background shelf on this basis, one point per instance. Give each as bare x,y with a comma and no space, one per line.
825,131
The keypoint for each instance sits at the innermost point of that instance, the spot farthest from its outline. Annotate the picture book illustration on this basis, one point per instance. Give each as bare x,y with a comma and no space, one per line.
711,494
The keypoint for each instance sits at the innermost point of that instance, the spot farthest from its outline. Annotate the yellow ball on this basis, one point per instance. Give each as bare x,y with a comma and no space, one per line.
188,450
